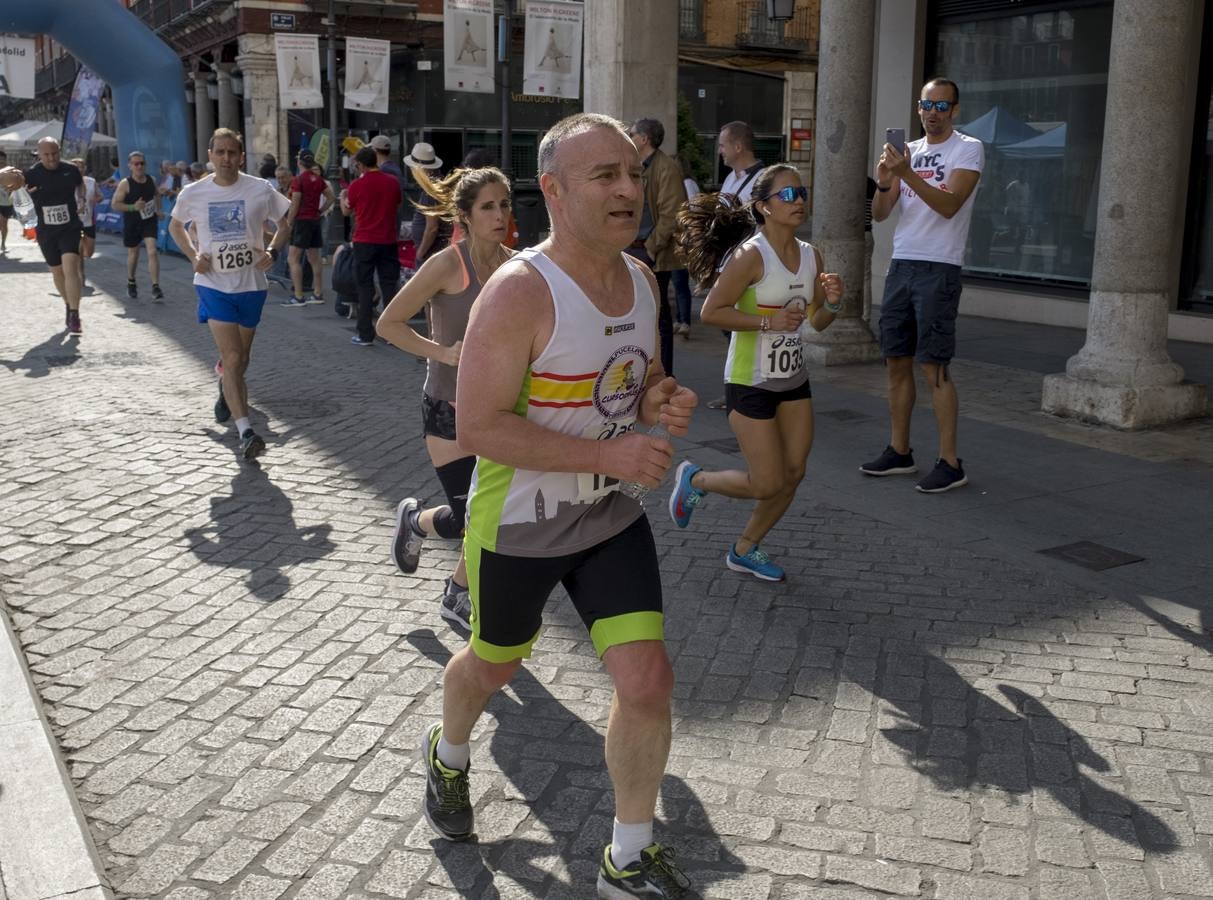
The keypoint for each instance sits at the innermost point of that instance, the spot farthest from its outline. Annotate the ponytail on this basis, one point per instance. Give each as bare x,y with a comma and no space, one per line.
709,227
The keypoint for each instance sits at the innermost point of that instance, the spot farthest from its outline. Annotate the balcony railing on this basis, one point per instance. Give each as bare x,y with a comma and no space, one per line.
156,14
60,72
690,20
754,29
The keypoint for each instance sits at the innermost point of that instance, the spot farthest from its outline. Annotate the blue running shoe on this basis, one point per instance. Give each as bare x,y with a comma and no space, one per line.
755,563
684,498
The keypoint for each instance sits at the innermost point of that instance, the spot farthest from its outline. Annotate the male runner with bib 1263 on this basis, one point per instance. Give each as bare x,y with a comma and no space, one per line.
229,213
772,283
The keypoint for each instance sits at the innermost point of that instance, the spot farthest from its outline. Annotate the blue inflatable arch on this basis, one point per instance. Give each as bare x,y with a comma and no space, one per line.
143,72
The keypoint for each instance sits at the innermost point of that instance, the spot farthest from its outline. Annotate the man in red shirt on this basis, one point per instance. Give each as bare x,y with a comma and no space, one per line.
373,199
307,191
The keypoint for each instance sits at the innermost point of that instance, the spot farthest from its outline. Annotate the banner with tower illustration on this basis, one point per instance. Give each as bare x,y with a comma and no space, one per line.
552,54
367,63
468,46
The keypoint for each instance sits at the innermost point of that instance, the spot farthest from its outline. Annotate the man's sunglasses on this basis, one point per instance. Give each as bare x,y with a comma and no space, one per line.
788,194
941,105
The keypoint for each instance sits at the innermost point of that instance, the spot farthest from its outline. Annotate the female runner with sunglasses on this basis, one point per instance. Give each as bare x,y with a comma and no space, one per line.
449,282
770,285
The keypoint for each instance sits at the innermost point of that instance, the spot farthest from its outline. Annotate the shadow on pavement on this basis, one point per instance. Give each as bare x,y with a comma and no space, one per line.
253,528
58,350
963,740
554,761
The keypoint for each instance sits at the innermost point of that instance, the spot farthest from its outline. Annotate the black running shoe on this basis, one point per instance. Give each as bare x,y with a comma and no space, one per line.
73,323
448,803
890,463
943,477
456,605
157,294
251,444
654,875
222,413
132,290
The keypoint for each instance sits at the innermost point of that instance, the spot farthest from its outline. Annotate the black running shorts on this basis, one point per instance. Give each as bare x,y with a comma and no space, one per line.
135,230
307,234
615,587
437,418
759,403
55,242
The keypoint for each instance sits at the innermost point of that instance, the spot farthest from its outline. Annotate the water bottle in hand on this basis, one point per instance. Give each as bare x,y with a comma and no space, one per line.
635,489
23,204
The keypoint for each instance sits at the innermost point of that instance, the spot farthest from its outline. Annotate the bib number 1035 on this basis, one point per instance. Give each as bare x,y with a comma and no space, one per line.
233,256
782,355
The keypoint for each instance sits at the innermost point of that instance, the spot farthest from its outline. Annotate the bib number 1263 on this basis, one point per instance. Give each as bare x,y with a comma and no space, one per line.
233,256
782,355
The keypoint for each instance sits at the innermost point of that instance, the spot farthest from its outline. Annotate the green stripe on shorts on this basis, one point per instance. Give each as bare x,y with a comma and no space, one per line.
488,652
612,631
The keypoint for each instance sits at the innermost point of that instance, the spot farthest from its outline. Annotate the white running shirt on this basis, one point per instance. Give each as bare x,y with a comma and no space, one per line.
921,232
230,224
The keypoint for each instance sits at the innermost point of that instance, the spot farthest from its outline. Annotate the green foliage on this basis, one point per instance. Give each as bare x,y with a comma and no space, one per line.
690,147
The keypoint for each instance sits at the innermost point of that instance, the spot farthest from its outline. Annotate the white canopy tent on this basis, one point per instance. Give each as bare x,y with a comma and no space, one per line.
25,135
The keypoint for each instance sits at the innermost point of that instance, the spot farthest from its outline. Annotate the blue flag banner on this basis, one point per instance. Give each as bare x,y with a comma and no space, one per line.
81,119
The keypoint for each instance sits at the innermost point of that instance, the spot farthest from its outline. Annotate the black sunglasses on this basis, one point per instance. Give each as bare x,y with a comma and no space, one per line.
788,194
941,105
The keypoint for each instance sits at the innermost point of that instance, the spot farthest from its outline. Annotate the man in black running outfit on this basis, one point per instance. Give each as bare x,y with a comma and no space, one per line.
136,198
57,190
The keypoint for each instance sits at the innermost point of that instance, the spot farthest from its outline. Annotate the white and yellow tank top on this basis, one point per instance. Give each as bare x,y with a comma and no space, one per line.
773,360
587,382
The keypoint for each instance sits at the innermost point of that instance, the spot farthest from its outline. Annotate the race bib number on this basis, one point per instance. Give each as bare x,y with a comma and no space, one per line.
56,215
782,355
148,211
232,256
593,486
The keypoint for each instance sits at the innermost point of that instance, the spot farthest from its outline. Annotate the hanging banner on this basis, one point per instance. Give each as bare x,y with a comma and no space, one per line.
16,66
552,54
298,71
467,46
367,63
81,119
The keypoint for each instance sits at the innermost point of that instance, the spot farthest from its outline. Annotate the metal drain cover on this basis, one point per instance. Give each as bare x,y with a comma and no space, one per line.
1095,557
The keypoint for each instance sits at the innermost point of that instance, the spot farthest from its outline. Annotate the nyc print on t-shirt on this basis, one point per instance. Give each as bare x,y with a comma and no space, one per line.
921,232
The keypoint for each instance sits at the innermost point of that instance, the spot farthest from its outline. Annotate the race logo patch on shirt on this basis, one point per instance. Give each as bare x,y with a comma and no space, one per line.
619,329
620,382
227,218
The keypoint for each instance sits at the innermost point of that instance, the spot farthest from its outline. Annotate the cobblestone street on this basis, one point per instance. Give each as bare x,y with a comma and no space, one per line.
238,677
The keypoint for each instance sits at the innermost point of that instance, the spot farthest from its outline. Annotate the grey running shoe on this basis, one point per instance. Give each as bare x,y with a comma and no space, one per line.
313,299
406,543
157,294
132,290
448,803
293,302
222,412
456,605
251,444
654,875
890,462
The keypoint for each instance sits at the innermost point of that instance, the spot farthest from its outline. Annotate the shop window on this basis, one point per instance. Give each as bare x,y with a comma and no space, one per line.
1035,209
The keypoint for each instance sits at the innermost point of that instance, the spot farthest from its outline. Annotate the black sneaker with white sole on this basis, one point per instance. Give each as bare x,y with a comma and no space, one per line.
890,462
448,802
406,542
251,444
456,605
944,477
157,294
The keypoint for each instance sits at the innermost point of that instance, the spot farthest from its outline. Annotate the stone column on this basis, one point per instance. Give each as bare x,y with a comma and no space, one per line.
631,62
264,119
229,103
1123,375
204,116
844,99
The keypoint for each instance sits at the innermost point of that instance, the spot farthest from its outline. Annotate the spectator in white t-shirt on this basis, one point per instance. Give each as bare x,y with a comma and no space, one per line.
933,185
735,144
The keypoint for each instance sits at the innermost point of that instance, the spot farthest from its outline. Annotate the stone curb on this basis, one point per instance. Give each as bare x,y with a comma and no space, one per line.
46,852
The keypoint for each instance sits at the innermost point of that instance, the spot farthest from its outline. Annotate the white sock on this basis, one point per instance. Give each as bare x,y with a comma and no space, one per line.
242,426
454,756
628,840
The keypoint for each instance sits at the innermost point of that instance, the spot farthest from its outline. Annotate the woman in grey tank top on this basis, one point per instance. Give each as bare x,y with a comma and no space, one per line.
447,285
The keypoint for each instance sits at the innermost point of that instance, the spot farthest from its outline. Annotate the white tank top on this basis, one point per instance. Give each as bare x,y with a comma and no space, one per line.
587,382
773,360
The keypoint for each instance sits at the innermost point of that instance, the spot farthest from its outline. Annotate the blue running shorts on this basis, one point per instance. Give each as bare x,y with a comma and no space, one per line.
244,309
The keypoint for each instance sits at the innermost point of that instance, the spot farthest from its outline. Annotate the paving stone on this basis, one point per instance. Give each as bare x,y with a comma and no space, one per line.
1061,844
271,822
1123,880
1004,851
226,862
1184,873
927,852
875,875
399,873
968,887
367,841
1065,884
159,869
303,848
329,882
258,887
